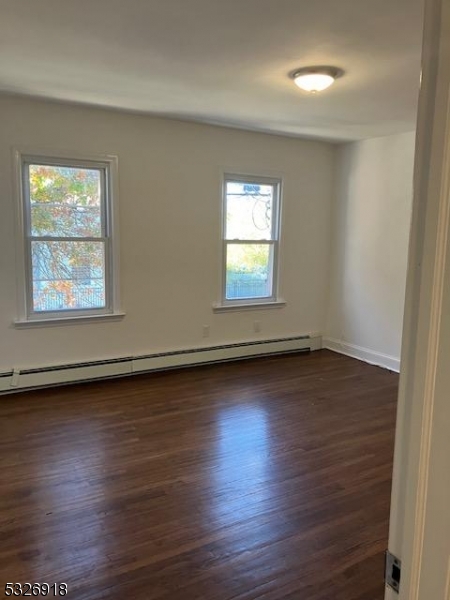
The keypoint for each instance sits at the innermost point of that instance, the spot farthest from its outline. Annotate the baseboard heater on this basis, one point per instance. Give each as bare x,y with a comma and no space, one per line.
25,378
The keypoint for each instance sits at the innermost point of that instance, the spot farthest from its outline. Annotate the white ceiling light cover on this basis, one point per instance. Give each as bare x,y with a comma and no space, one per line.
316,79
314,82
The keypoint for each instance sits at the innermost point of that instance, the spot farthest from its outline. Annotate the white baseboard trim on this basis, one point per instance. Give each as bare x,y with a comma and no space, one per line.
369,356
26,378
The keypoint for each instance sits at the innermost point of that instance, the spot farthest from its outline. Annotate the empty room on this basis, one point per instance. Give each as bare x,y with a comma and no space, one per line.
206,215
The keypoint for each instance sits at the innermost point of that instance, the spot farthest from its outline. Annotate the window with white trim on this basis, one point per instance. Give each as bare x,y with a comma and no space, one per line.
67,236
251,225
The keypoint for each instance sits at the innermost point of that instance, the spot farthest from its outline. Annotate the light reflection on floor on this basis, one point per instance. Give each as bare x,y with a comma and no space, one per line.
241,465
63,480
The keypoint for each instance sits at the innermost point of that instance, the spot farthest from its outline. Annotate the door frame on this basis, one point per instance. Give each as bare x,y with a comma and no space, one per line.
430,232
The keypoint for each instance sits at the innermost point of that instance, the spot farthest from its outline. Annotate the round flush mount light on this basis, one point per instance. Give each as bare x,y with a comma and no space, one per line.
316,79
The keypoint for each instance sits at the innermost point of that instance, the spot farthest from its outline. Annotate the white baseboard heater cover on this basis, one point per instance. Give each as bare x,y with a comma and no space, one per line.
24,378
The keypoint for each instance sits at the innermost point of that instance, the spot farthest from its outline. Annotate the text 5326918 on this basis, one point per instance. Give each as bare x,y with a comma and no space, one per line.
36,589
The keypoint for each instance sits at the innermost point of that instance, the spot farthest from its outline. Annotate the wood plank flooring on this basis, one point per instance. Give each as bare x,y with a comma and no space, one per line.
268,478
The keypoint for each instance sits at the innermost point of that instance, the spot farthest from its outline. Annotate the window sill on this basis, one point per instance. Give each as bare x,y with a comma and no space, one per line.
219,308
58,321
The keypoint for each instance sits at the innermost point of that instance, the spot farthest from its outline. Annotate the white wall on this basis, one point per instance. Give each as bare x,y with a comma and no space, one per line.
170,205
371,224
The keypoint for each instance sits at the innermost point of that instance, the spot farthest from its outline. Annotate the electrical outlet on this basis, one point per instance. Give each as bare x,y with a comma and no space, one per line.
256,326
205,331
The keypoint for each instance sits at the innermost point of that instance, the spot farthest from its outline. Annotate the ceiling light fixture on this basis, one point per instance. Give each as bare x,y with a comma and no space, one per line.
316,79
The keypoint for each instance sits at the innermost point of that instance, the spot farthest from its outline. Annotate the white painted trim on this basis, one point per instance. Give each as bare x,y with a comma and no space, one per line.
447,586
424,302
21,270
69,320
218,308
29,377
365,354
274,242
108,164
430,373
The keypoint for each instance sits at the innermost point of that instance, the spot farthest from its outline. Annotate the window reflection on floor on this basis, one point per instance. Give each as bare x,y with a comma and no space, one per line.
66,475
241,469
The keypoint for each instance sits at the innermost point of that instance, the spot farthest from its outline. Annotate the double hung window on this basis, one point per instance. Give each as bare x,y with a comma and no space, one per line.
251,224
67,235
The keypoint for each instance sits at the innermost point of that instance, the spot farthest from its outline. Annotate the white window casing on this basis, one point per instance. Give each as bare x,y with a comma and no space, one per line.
105,302
244,232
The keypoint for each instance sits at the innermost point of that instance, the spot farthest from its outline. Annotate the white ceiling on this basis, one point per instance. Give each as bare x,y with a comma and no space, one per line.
221,61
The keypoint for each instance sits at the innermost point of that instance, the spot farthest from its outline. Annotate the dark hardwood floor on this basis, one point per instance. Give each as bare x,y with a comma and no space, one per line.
267,478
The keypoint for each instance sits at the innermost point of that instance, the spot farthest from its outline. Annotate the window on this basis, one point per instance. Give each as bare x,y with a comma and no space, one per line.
66,233
250,239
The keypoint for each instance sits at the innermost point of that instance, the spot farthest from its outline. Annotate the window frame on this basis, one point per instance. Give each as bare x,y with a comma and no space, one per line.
274,242
108,167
